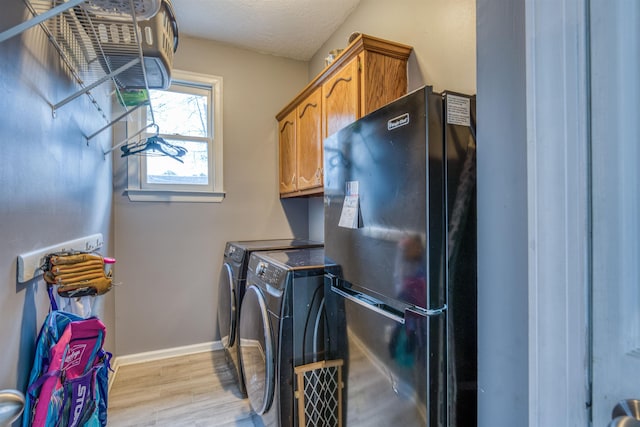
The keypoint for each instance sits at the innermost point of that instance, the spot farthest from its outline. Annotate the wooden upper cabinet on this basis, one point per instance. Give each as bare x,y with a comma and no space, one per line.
368,74
287,153
341,98
309,141
384,79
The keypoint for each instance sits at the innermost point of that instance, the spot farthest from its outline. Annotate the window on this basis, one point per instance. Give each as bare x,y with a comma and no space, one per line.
188,117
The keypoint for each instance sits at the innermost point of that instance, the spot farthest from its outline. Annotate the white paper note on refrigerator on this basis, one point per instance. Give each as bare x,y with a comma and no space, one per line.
350,206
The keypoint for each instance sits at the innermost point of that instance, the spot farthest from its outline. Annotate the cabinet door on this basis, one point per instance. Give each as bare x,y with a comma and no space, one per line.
383,79
287,138
340,98
309,141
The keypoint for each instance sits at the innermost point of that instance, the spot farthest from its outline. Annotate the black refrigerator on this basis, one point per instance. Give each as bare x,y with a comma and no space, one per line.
400,222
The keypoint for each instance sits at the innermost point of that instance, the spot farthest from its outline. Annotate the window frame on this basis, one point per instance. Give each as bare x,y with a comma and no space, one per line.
137,187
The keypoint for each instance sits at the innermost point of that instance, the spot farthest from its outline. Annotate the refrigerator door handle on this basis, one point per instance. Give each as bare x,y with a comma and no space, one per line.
370,303
378,306
419,311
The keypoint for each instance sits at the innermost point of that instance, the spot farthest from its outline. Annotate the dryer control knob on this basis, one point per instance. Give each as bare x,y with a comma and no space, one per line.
261,268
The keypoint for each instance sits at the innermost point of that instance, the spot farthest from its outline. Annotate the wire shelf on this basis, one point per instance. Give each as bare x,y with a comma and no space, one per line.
97,49
83,41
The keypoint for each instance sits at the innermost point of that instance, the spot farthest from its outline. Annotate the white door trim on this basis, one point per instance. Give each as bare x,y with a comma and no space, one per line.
558,206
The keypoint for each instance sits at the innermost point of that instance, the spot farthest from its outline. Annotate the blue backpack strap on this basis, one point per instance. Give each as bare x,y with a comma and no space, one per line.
54,304
102,385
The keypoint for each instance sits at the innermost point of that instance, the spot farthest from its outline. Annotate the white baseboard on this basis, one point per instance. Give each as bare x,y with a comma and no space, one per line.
148,356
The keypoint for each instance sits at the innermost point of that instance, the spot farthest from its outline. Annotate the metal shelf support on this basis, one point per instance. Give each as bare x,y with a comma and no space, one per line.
96,83
120,117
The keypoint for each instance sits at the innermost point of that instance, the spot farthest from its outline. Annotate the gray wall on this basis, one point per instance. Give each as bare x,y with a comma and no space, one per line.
502,214
169,255
615,132
53,187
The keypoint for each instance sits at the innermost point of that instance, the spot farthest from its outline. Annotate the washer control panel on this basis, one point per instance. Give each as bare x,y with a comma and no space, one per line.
261,269
269,273
234,252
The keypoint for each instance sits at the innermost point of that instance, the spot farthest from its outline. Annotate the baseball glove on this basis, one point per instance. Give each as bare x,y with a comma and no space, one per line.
77,274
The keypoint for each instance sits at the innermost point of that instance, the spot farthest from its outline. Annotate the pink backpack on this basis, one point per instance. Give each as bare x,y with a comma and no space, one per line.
69,379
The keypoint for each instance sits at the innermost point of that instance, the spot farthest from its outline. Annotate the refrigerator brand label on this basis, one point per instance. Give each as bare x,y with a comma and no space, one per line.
397,122
458,110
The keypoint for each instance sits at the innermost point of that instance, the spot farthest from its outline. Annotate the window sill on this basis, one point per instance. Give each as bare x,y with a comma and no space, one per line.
174,196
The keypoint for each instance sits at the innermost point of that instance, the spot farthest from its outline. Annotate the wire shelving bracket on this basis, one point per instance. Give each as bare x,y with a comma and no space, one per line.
81,44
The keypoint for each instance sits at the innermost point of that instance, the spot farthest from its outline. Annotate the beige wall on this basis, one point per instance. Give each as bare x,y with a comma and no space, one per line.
442,33
443,36
169,255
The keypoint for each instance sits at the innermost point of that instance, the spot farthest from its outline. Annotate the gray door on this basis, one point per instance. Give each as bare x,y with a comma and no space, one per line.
615,86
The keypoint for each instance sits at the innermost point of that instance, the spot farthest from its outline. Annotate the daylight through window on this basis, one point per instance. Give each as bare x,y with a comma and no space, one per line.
188,118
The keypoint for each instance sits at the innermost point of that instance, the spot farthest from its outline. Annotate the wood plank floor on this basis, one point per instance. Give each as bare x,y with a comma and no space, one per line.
198,390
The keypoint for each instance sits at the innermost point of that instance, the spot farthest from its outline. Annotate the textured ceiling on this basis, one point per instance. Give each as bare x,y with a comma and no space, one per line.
290,28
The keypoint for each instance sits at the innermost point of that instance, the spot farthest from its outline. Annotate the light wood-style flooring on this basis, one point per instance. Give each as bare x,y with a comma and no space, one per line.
197,390
200,390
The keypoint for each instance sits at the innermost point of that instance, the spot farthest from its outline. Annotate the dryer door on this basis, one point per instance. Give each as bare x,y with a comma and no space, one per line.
256,350
227,310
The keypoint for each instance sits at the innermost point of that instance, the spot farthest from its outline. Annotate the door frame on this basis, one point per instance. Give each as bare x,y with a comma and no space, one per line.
559,211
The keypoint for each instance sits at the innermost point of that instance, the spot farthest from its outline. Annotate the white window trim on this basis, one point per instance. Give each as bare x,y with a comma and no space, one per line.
135,189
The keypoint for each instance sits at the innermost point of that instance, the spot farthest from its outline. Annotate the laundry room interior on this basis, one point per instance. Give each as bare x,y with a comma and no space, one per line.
174,253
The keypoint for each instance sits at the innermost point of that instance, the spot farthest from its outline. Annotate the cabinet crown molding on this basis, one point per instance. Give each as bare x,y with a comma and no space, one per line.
360,44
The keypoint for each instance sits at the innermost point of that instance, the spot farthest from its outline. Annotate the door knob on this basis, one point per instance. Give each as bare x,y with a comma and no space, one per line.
626,413
624,421
627,407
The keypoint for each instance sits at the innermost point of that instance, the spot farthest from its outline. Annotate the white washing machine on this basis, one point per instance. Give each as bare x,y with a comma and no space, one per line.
282,326
231,286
